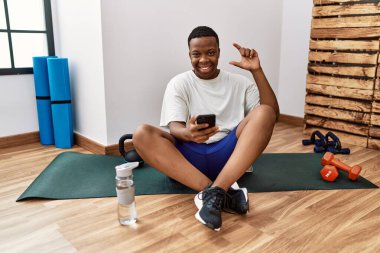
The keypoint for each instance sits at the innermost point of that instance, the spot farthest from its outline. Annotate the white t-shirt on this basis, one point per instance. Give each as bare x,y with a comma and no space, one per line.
229,96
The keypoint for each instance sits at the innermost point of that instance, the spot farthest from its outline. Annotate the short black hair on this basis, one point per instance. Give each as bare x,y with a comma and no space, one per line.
202,31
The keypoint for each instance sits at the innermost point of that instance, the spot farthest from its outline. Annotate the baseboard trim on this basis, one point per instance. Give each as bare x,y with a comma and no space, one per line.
80,140
89,144
292,120
97,148
34,137
19,139
114,149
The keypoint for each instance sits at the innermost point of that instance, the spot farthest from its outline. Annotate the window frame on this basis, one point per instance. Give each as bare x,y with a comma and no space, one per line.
49,36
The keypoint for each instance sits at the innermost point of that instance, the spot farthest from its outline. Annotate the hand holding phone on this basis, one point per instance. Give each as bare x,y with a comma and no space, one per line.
206,118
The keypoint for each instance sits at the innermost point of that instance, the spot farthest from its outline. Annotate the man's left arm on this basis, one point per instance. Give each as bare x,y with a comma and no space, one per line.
267,96
250,61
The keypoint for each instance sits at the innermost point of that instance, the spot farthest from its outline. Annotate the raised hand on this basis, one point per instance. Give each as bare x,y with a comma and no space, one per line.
249,58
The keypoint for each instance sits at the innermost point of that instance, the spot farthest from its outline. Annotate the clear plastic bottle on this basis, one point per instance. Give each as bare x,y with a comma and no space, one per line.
125,190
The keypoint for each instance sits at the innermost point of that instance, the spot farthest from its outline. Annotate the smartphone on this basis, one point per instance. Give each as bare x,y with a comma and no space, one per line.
206,118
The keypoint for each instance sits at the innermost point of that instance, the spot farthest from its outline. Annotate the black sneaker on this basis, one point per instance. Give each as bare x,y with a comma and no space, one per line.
210,202
236,200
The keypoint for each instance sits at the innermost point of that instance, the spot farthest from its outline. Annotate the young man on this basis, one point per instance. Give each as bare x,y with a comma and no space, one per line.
211,160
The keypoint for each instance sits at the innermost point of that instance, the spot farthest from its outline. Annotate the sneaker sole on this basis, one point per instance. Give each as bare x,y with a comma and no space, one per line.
245,193
198,202
246,198
199,218
235,186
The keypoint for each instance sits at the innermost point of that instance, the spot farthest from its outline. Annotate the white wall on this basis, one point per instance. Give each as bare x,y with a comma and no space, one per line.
78,37
145,44
18,110
296,20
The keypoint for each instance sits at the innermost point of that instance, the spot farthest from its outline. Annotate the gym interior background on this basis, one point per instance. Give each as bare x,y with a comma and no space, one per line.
112,45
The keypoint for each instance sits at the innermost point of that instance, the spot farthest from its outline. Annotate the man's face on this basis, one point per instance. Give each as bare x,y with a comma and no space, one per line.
204,56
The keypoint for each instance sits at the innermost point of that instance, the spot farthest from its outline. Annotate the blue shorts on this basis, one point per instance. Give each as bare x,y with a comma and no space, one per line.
209,158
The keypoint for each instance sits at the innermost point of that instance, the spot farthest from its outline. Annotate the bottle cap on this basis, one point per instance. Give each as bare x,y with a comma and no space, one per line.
125,169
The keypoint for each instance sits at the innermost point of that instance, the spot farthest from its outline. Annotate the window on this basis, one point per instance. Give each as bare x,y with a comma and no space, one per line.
26,30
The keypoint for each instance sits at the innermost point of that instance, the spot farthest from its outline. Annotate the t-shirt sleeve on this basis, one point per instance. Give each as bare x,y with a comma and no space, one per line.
174,105
252,97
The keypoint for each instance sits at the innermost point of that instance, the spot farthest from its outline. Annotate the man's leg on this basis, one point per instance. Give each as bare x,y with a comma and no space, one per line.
253,133
157,148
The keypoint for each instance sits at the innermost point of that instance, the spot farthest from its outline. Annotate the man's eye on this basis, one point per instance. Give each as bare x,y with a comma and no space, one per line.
195,54
211,53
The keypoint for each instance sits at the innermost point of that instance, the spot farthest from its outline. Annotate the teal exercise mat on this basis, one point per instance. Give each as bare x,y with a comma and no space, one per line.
74,175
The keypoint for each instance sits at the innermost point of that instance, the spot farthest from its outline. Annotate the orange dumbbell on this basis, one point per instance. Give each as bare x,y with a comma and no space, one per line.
353,172
329,173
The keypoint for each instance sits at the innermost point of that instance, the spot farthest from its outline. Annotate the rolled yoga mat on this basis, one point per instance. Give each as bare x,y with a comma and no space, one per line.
73,175
59,81
41,84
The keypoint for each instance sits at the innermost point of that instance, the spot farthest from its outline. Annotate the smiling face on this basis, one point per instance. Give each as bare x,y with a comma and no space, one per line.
204,55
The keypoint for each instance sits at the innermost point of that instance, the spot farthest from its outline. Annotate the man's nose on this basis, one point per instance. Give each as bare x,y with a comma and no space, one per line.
203,58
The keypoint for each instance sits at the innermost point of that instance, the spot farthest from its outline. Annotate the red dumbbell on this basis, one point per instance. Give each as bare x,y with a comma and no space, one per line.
329,173
353,172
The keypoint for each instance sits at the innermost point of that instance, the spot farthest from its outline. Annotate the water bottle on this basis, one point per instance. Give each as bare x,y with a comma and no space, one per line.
125,190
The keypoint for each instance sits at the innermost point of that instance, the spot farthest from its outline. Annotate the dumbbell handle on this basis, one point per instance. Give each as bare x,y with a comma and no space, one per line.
337,163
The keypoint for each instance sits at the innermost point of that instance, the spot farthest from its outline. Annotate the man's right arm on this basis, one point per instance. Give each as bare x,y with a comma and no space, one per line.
178,130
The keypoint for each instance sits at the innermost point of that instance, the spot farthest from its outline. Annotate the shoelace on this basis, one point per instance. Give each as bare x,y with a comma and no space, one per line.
218,200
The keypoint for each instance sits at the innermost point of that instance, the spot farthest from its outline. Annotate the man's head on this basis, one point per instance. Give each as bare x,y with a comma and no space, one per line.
202,31
204,52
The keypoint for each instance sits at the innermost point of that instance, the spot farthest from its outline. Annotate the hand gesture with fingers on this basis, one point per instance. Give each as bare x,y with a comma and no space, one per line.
249,58
199,133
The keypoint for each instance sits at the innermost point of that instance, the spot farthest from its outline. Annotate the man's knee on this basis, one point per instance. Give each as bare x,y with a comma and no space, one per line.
264,112
142,134
146,135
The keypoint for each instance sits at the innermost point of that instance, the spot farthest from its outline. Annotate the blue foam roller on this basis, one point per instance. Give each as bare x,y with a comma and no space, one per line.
41,84
59,79
63,125
45,122
41,79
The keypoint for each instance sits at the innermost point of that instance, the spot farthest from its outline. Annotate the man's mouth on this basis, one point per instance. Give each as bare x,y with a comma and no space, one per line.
205,68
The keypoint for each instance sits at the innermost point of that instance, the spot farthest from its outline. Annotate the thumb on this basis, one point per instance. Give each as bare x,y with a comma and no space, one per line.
235,63
192,120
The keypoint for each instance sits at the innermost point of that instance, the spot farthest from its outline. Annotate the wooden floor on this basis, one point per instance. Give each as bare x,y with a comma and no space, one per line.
298,221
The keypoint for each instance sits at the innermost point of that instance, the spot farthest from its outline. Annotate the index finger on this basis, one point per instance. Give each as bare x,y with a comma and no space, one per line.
237,46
